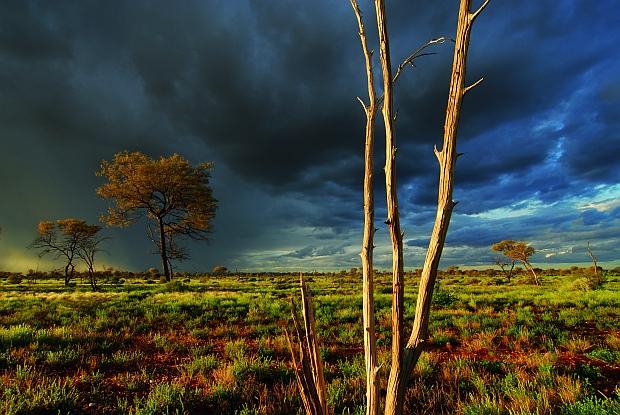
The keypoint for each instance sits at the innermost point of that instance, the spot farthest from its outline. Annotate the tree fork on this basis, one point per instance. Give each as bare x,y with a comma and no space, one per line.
410,354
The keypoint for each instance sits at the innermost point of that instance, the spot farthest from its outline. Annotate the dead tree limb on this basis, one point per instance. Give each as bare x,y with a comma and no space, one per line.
597,278
370,337
410,354
418,53
409,61
309,366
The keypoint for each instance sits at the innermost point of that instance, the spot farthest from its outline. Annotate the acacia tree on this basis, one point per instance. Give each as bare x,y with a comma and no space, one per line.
66,238
517,251
173,194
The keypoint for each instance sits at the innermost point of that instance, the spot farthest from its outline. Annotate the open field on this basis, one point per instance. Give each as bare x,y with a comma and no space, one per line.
216,344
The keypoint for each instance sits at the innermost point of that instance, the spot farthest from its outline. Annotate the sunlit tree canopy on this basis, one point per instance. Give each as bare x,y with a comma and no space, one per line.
170,191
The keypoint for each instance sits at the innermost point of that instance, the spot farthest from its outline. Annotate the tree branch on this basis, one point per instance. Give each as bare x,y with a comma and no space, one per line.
472,86
362,104
472,16
416,54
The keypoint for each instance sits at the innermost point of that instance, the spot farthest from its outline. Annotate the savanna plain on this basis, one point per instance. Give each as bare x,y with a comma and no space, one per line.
216,344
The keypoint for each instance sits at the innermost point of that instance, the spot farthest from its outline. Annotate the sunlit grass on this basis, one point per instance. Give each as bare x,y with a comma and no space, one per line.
216,345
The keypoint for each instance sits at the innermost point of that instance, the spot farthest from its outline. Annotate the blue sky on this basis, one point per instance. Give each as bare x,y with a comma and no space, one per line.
267,91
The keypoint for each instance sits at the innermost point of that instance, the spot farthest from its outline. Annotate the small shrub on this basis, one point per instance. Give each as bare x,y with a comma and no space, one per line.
62,358
16,336
592,406
236,350
605,355
203,365
164,398
123,358
14,279
173,286
33,393
443,298
586,371
581,284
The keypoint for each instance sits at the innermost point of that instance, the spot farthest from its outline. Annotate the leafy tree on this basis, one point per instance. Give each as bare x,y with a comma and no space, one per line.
175,196
517,251
67,238
219,269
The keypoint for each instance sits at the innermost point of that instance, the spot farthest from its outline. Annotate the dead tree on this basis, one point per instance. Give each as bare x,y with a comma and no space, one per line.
598,280
308,366
370,338
405,358
370,111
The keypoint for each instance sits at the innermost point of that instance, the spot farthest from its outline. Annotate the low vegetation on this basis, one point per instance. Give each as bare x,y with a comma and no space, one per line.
216,344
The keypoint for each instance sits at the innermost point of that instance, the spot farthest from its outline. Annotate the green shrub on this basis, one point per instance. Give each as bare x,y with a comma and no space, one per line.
203,364
605,355
581,284
592,406
63,357
15,336
33,393
236,350
167,399
443,298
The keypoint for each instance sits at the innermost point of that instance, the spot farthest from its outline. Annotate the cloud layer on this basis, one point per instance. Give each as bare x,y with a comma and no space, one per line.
269,94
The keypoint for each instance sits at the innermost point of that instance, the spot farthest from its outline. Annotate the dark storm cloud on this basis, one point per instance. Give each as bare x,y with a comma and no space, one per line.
268,91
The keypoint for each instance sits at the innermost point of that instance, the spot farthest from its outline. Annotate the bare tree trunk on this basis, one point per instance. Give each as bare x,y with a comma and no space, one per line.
92,278
393,220
400,373
598,279
529,267
67,278
162,249
69,270
370,338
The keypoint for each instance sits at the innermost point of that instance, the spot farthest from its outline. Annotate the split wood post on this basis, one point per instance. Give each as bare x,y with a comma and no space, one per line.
309,366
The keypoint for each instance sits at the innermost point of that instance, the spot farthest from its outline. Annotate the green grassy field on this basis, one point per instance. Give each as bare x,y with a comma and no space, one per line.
216,345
